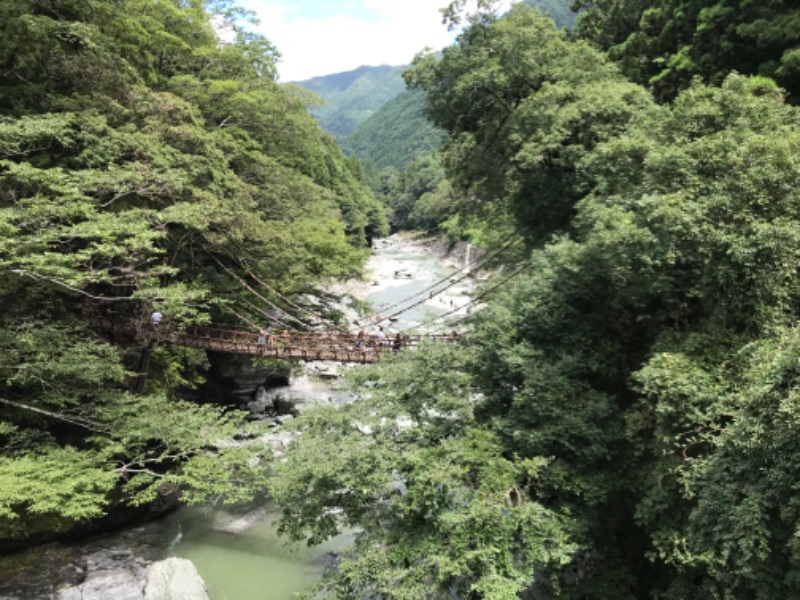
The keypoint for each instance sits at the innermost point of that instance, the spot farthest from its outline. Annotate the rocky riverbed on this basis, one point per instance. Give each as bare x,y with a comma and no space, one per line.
104,567
406,271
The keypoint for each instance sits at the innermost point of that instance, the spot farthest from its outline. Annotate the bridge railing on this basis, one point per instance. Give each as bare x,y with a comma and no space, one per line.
288,343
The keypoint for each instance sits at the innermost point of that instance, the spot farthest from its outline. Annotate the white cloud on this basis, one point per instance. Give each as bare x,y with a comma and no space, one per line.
312,47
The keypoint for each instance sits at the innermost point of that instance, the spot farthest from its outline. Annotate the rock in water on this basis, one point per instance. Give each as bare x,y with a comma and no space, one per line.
262,403
175,579
114,573
117,585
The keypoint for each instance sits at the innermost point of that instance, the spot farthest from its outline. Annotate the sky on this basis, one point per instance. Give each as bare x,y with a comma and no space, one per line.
320,37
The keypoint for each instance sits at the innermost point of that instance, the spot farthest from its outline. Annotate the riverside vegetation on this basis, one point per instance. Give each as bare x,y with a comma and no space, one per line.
138,157
623,421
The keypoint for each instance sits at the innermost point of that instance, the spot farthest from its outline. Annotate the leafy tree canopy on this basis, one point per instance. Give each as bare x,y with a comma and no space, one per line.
523,106
642,363
664,44
439,509
145,164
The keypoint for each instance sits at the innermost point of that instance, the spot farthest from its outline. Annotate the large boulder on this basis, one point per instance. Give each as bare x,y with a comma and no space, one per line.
263,402
119,575
114,573
120,585
174,579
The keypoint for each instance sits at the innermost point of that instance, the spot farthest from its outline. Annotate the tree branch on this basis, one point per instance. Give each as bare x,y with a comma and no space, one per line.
58,282
72,420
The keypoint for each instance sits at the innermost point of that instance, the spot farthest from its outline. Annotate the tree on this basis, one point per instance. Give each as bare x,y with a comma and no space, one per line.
523,106
143,164
666,44
632,353
440,512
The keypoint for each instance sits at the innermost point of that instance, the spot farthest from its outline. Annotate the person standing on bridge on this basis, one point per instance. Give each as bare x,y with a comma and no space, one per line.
397,343
262,340
360,338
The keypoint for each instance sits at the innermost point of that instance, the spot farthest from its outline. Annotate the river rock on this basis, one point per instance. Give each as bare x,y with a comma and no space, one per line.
262,403
238,523
323,369
235,379
174,579
278,441
294,401
459,254
113,574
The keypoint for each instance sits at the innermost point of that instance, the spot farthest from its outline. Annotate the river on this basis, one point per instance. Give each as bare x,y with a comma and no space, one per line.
238,553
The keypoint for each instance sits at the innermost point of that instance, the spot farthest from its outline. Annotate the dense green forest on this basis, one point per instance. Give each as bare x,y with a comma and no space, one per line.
623,421
396,134
144,165
665,43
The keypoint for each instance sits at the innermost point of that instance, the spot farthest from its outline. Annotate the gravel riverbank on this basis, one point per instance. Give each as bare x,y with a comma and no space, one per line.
395,265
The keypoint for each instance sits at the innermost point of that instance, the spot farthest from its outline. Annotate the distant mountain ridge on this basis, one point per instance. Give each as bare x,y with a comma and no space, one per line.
396,134
371,113
352,97
558,10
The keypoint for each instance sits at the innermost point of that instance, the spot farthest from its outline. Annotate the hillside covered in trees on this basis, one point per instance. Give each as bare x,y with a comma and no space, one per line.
623,420
664,44
352,97
143,167
396,134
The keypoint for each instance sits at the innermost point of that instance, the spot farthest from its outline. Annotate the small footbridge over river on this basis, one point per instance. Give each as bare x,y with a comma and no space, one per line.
333,346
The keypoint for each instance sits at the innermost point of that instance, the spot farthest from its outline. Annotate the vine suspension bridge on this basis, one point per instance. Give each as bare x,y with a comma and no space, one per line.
312,343
295,345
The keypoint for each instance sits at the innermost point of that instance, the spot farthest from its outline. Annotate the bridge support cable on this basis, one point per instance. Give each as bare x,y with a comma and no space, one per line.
242,318
476,299
424,299
378,316
71,419
313,315
266,315
258,295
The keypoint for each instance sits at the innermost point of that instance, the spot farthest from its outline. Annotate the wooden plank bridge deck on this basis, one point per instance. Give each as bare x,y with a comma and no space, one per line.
291,344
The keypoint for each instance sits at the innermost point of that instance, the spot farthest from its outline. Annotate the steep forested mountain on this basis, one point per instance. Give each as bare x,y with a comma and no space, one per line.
398,131
370,112
396,134
352,97
145,166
